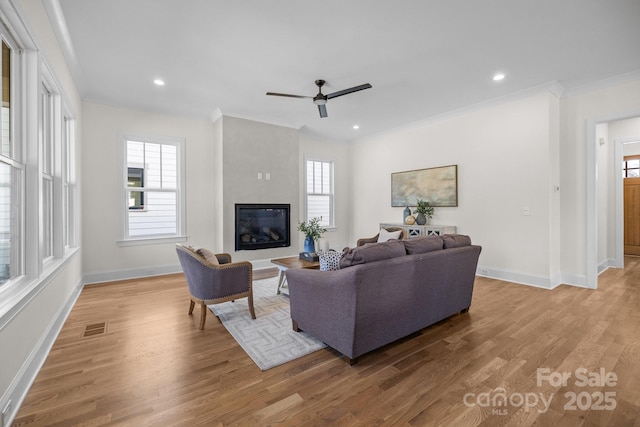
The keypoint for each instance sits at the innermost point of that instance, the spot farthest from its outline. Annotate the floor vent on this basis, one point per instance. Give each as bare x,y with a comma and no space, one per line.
95,329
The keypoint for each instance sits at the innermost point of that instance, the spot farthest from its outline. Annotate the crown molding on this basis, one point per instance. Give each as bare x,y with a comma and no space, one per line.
554,88
61,31
217,113
604,83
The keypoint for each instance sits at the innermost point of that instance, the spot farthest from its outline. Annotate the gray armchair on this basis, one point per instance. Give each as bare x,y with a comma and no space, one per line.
213,278
374,239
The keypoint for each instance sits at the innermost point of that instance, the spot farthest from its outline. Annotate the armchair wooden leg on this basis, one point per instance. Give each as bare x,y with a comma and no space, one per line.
191,305
203,314
253,313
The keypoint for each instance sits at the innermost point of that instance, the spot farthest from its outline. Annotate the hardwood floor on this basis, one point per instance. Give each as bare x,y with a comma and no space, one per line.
153,367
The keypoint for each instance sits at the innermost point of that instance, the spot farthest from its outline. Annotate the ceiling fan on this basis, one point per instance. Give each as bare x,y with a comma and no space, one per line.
321,99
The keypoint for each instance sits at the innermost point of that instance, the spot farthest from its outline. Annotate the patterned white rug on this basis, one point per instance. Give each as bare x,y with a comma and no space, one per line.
269,339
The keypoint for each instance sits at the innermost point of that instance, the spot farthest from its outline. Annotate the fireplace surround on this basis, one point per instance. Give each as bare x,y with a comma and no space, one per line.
262,226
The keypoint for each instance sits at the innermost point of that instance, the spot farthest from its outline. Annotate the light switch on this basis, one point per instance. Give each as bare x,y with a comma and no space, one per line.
267,176
526,211
259,175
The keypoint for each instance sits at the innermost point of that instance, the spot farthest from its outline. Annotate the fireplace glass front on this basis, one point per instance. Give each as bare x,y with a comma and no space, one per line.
262,226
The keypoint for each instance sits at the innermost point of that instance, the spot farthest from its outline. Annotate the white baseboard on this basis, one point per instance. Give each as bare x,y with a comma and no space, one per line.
133,273
23,380
136,273
515,277
537,281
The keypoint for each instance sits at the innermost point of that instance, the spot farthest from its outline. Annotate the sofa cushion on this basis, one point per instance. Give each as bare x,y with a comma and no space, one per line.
208,256
455,240
329,260
388,235
424,244
373,252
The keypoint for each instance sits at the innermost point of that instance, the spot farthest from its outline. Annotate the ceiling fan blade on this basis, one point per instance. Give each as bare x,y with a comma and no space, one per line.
288,95
347,91
323,110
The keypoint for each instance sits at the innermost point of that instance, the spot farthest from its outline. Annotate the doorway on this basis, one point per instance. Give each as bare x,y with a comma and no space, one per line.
631,203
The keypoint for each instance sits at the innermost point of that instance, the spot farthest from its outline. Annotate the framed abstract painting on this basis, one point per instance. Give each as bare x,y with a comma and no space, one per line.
438,186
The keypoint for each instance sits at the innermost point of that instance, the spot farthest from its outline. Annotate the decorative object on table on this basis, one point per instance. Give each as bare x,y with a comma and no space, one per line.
309,256
410,220
312,231
406,213
441,184
424,211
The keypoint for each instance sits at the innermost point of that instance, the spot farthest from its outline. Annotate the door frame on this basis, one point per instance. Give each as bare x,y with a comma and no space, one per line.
592,149
618,158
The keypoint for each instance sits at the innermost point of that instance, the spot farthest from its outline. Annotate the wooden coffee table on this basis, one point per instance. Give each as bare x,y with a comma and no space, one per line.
291,262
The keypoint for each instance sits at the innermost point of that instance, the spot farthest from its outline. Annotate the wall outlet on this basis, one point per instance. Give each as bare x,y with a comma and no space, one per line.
484,271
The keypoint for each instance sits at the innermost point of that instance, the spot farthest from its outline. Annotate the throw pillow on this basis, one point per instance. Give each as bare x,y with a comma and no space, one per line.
455,240
388,235
208,256
329,260
373,252
424,244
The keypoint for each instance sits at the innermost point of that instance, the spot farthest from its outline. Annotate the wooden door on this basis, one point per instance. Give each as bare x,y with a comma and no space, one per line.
632,216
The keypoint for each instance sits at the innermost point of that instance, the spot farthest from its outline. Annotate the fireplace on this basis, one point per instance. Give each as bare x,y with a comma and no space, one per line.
262,226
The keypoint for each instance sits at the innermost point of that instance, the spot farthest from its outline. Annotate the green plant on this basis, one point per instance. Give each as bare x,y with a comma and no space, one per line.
312,228
424,208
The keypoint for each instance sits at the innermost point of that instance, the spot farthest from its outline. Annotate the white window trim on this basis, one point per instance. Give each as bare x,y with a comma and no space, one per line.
28,72
333,226
181,235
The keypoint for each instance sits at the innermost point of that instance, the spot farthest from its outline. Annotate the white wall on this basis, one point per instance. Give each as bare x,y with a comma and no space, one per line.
316,148
104,259
505,156
605,182
616,100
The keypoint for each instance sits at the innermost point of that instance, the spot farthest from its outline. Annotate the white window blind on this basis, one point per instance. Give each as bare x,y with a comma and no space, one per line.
319,183
152,189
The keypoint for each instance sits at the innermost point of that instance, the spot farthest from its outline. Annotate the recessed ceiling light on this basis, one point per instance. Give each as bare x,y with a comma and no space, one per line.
158,82
356,126
498,77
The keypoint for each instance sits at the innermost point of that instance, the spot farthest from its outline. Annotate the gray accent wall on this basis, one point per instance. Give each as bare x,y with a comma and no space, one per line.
250,148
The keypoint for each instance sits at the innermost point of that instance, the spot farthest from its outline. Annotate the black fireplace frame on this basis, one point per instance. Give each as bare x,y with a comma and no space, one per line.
241,246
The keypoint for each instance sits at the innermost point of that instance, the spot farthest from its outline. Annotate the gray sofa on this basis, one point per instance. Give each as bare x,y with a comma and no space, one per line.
384,291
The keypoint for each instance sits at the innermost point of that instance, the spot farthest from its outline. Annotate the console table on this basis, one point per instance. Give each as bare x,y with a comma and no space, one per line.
422,230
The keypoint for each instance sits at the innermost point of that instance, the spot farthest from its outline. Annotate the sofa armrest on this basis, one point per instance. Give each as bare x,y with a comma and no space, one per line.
323,304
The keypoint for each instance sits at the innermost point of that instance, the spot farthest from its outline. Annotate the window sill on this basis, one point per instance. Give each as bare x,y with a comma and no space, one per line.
151,241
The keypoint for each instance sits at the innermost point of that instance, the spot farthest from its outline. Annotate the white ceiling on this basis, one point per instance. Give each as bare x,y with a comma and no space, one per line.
423,58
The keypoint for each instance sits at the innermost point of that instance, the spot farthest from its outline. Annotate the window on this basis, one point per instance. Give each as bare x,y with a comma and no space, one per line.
68,182
135,179
631,167
11,178
152,191
319,185
46,150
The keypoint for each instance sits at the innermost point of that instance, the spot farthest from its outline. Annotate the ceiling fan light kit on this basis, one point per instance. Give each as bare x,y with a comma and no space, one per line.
321,99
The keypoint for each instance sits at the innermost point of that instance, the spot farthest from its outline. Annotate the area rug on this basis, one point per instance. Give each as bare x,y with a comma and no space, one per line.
269,339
